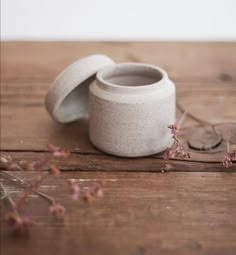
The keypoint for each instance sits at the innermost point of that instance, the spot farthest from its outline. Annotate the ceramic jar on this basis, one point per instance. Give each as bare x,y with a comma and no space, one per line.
130,105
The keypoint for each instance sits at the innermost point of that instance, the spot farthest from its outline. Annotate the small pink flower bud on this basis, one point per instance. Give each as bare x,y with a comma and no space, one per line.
57,210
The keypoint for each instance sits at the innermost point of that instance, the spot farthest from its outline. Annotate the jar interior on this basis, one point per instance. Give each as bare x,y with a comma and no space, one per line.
124,75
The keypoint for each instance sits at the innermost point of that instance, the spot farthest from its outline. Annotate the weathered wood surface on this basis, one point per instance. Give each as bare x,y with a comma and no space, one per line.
140,213
189,211
183,61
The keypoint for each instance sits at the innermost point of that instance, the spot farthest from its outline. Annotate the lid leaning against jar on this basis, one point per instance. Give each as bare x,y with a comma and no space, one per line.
67,97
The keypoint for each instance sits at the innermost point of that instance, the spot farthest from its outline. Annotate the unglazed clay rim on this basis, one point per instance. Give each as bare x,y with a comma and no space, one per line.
104,84
64,85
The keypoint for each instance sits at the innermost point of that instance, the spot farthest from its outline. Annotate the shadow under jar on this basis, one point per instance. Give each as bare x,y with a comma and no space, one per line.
130,107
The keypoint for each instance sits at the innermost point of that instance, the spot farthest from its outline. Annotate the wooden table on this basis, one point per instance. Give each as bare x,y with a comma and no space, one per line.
190,210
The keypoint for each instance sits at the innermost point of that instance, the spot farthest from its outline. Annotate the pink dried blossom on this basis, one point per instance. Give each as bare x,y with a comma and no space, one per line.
179,152
54,170
228,158
167,153
175,151
58,152
39,164
57,210
34,184
95,191
17,222
88,197
12,166
167,167
75,189
174,131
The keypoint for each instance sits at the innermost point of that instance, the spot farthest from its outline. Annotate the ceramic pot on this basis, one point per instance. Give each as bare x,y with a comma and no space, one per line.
130,107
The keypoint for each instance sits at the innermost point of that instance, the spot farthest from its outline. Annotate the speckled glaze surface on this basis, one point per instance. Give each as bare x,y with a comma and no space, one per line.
130,107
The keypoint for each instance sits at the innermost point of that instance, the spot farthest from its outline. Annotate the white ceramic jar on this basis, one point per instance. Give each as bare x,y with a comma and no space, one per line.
130,104
130,107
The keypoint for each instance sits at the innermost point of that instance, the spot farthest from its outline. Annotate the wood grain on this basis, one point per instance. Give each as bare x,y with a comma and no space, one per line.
140,213
183,61
103,162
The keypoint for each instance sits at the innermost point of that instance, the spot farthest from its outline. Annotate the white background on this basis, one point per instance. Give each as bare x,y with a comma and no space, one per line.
118,20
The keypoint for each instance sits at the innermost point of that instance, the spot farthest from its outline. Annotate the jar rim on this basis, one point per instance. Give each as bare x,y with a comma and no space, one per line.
115,70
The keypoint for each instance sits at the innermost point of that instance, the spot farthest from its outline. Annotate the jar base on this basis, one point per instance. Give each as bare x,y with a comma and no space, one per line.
124,155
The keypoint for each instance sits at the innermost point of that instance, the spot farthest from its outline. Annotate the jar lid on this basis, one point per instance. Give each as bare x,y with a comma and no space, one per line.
67,97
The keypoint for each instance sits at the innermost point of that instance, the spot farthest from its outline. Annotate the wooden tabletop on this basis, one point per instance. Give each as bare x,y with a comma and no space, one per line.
190,210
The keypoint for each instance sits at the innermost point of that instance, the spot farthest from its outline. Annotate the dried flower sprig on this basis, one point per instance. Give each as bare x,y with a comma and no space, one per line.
93,192
21,222
229,157
174,131
42,163
13,218
57,152
28,189
176,150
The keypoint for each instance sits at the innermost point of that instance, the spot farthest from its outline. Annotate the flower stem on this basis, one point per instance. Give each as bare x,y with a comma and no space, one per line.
28,186
5,195
9,198
7,159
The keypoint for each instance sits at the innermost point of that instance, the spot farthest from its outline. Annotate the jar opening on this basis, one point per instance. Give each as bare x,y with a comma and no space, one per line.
131,75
